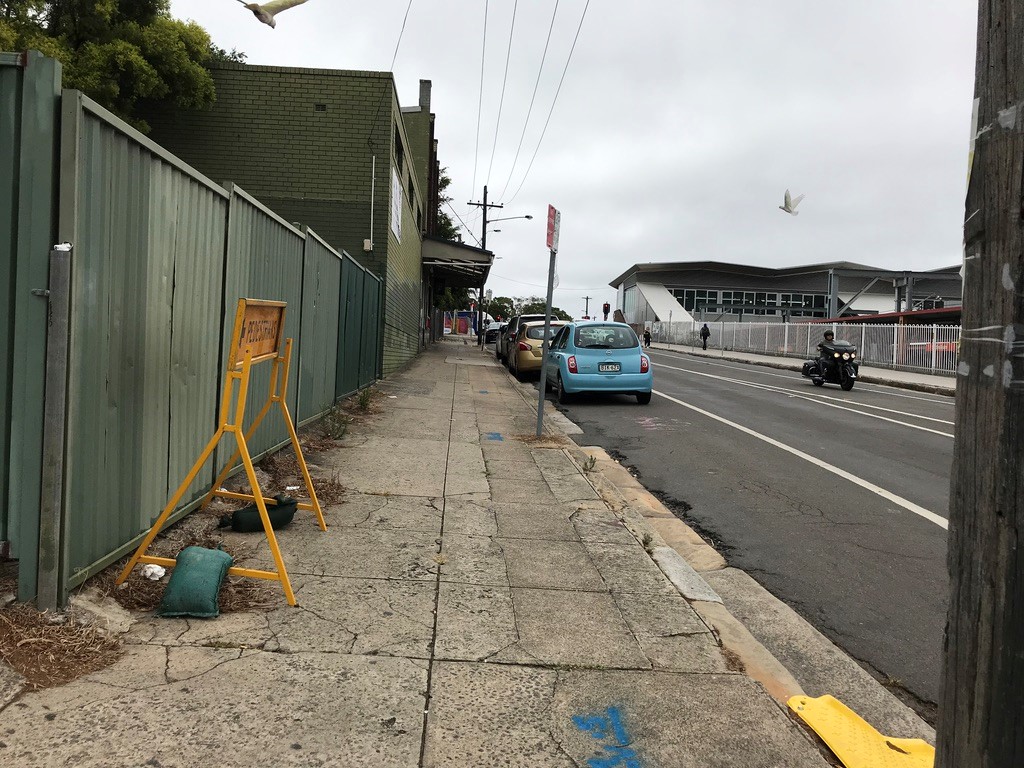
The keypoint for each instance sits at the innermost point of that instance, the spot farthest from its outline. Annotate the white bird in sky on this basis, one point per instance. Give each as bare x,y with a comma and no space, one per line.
789,204
267,11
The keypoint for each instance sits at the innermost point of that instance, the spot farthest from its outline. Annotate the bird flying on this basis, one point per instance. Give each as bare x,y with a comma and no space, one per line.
789,204
267,11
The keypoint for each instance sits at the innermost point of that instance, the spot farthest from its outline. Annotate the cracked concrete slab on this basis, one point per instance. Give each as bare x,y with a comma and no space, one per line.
564,628
550,565
359,616
470,515
326,709
394,512
473,560
599,524
534,521
353,552
628,568
671,634
397,466
474,622
544,718
514,491
465,471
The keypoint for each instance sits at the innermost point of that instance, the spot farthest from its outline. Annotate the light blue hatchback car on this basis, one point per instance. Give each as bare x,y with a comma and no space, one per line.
598,357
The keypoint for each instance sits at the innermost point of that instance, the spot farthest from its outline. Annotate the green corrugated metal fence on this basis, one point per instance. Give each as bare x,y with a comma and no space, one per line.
29,99
162,255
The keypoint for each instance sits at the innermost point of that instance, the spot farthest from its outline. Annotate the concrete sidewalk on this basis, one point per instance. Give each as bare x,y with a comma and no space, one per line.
921,382
481,598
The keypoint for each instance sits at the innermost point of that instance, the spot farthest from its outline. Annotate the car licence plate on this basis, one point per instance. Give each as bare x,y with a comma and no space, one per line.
608,367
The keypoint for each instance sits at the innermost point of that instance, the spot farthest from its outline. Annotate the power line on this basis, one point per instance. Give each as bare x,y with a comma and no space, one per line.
533,98
400,33
480,100
465,226
555,101
504,81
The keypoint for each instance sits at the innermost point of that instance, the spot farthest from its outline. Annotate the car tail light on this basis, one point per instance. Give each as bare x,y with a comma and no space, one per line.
645,364
524,347
571,363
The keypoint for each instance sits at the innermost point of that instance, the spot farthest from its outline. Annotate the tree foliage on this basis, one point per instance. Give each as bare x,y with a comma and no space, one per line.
446,228
535,305
118,52
453,300
501,306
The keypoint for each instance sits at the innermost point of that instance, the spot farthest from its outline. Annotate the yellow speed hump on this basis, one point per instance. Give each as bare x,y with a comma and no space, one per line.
854,741
257,337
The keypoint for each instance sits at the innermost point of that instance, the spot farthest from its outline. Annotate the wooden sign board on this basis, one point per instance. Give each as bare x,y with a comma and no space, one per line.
259,327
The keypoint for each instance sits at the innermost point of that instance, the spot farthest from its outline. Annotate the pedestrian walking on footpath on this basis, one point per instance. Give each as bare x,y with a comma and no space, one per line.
705,332
647,338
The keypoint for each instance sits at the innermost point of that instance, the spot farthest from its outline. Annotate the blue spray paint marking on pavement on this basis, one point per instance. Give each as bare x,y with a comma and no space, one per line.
609,727
484,392
494,436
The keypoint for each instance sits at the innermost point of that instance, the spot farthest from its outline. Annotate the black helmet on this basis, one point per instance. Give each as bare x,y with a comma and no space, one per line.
829,334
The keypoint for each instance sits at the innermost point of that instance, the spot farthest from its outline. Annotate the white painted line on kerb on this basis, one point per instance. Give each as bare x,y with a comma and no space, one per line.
887,495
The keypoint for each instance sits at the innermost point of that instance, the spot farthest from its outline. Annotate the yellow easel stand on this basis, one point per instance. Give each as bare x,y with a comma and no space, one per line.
238,373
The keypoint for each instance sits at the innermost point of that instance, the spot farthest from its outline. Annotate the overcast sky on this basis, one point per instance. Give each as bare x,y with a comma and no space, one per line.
678,127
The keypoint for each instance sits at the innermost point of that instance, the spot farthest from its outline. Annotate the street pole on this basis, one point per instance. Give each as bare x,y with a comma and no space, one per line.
554,223
981,715
586,311
483,246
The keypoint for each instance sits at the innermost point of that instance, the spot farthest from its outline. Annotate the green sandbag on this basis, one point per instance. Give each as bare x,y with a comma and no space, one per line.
195,583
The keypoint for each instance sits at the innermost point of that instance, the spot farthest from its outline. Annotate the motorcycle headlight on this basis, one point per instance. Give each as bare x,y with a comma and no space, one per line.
835,354
846,355
853,355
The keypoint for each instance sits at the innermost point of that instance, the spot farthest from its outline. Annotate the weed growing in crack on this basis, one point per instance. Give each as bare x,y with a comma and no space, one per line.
364,398
589,463
648,543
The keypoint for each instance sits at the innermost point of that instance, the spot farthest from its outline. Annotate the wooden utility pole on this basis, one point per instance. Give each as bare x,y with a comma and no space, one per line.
981,716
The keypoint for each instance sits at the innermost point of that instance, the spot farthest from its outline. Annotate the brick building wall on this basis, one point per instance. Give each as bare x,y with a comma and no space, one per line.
304,142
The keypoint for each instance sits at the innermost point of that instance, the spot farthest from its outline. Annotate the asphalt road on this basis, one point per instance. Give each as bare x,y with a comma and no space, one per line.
841,515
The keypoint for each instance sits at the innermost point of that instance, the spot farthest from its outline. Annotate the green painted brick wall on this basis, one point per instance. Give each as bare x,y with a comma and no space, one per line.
303,142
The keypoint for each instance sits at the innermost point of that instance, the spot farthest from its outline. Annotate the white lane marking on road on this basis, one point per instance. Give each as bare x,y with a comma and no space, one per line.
878,389
869,486
821,398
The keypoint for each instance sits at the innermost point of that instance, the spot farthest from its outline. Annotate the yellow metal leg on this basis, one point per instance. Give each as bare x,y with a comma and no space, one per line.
210,446
250,472
222,475
315,503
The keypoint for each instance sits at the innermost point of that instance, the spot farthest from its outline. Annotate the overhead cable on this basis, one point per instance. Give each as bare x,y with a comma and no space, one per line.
504,81
554,101
533,98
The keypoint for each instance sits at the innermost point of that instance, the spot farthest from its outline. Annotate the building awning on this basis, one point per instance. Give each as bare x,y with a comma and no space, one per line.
458,265
665,305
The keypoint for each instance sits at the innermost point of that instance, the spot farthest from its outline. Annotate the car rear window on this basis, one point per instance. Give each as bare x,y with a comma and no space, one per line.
605,337
537,331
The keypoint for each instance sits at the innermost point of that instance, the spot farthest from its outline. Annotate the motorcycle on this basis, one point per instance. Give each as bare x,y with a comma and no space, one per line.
837,364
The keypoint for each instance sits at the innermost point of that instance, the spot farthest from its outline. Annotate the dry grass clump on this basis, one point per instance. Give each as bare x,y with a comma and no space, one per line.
544,441
197,530
52,649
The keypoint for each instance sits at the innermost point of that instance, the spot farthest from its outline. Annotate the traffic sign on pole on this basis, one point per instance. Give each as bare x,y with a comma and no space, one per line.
554,221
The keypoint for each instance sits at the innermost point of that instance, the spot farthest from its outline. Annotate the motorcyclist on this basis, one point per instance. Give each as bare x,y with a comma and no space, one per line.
828,338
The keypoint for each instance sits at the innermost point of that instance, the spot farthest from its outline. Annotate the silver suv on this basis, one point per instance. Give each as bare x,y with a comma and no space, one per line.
501,346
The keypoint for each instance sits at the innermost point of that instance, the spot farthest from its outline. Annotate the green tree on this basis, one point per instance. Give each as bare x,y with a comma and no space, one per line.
537,306
446,228
501,306
452,299
118,52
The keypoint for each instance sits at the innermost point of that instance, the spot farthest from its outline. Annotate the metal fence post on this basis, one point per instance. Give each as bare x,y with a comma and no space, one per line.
933,349
50,579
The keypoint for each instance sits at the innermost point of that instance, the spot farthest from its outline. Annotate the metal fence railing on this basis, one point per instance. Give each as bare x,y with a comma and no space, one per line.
922,348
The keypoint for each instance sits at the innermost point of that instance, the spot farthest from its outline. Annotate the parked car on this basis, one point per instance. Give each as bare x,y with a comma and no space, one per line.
524,356
501,346
492,330
598,356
